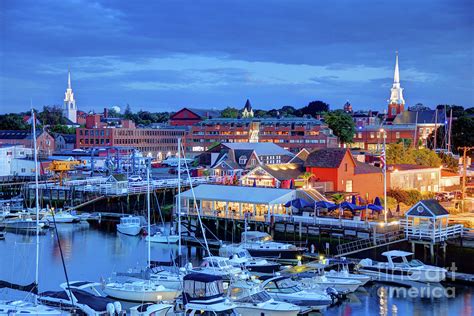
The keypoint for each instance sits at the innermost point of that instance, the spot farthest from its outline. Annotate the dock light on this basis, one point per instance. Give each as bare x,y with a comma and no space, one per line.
299,261
159,298
382,224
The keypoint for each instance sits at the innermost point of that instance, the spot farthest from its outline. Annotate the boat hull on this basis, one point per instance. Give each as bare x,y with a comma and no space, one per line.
172,239
397,275
141,295
264,268
256,310
129,230
286,254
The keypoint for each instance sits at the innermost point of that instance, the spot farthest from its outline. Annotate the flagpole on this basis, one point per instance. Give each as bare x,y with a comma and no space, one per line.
384,175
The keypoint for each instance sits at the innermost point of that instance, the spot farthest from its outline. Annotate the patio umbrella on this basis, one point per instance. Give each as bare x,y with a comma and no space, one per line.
298,203
361,201
235,180
254,183
351,207
398,209
325,204
292,184
377,201
354,200
376,208
273,182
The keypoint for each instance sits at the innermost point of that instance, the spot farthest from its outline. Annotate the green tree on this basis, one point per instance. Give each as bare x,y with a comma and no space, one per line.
462,134
52,115
341,124
425,157
230,112
399,154
337,198
13,121
62,129
315,107
449,161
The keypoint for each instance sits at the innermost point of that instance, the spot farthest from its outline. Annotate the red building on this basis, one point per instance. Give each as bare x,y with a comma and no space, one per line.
160,140
44,140
188,117
337,165
293,133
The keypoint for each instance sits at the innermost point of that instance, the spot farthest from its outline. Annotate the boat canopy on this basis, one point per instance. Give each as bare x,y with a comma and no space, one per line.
200,286
396,253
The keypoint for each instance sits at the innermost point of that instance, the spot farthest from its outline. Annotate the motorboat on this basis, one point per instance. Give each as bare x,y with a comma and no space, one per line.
169,277
81,295
251,300
203,294
312,277
260,244
130,225
24,222
149,309
284,289
344,273
2,231
220,266
62,217
161,237
241,258
137,290
21,307
400,269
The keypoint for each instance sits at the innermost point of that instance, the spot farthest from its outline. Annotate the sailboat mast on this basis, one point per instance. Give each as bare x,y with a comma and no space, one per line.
449,130
33,116
148,207
179,200
436,129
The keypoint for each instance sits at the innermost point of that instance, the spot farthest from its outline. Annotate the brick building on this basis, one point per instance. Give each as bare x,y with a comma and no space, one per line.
370,137
160,141
44,140
337,165
292,133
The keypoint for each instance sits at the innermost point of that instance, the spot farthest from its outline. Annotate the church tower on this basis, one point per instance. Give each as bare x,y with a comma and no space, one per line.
248,111
70,109
397,103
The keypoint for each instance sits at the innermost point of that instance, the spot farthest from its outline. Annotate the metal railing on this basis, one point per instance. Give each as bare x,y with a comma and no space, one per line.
369,243
431,233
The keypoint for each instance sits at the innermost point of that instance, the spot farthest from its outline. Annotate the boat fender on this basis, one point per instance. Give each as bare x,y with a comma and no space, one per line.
110,309
332,292
118,307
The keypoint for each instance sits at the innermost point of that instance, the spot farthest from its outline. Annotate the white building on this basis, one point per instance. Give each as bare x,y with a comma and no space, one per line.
70,109
9,154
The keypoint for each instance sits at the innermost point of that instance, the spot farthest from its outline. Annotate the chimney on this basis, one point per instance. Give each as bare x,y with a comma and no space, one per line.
106,113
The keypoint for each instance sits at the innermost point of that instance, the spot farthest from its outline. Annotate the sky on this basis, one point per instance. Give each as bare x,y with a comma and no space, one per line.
165,55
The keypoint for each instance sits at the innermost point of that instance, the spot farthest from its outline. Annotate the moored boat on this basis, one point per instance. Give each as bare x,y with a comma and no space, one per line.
130,225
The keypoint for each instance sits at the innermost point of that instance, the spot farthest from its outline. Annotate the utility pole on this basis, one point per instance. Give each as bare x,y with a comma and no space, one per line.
465,149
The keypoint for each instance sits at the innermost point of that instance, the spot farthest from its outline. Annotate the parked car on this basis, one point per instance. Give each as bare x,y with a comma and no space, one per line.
135,178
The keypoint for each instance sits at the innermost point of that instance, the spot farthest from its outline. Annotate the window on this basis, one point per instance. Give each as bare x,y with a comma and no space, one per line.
394,111
359,135
345,167
349,186
419,177
397,135
433,176
372,135
378,134
252,162
422,188
242,160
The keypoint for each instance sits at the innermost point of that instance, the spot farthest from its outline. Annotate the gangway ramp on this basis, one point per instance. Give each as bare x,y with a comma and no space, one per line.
369,243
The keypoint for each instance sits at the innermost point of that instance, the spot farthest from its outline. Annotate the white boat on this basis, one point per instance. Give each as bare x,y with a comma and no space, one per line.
251,300
219,266
260,244
20,307
62,217
203,294
320,281
130,225
140,291
241,258
284,289
149,309
344,274
399,269
168,276
163,238
24,222
84,296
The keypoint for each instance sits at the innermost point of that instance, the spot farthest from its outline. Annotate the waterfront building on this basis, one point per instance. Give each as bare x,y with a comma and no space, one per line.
449,180
64,142
273,176
370,137
347,107
424,122
413,177
338,166
159,141
236,201
291,133
45,142
191,116
364,118
70,108
228,159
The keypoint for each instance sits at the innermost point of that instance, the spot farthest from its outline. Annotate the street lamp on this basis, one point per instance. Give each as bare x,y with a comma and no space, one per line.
384,161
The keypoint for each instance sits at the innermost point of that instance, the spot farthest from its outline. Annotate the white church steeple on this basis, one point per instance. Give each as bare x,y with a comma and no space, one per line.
396,96
70,109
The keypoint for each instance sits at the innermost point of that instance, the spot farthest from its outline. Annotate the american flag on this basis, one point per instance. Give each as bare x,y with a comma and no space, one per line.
382,158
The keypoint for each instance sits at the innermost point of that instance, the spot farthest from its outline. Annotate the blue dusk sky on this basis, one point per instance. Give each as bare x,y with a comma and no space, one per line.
164,55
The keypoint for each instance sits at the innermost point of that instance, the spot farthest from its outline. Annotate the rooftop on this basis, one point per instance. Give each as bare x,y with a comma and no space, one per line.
261,149
427,208
405,167
254,195
364,168
326,158
424,117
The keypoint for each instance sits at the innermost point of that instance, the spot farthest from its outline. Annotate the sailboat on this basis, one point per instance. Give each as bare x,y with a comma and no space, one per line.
22,307
140,290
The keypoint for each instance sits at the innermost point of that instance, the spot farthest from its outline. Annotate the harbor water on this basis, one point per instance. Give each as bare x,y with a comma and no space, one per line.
93,255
